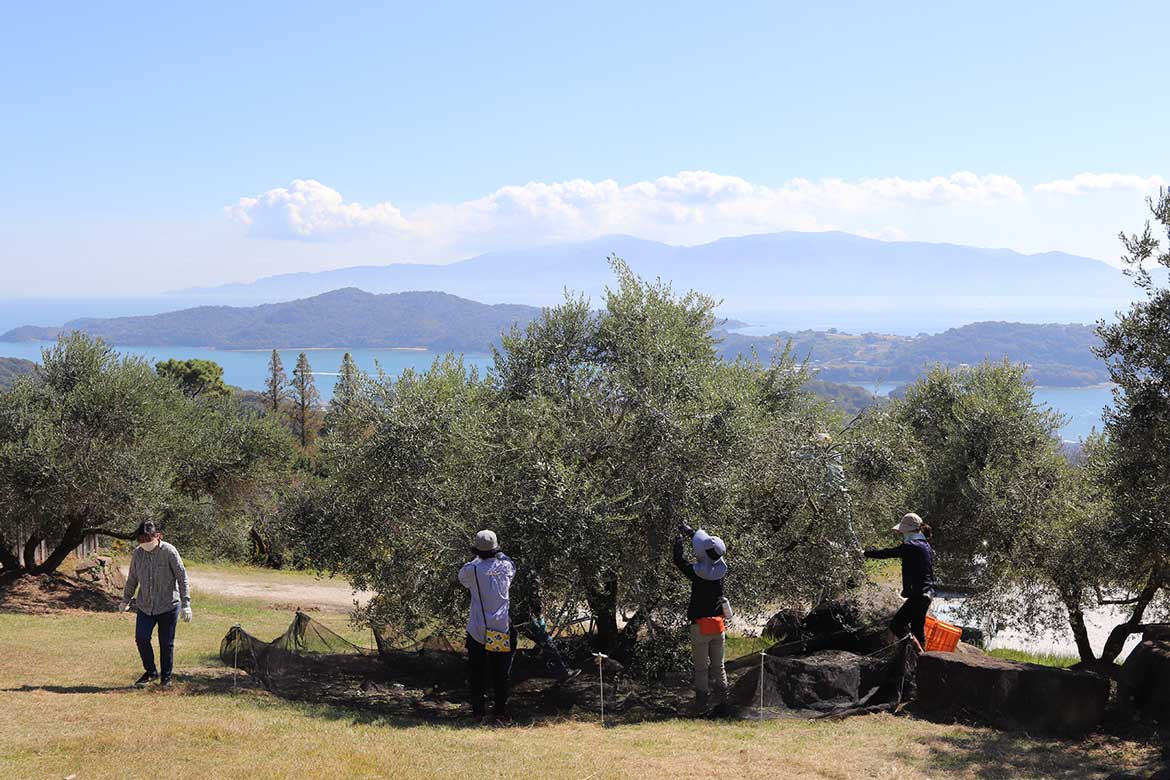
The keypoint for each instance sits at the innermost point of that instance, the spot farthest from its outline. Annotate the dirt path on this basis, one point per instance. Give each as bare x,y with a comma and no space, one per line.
276,590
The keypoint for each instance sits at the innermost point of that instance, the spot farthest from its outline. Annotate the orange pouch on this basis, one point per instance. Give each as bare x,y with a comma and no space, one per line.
710,626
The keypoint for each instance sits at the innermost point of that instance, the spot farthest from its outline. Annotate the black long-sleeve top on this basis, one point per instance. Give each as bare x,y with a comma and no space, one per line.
706,595
917,566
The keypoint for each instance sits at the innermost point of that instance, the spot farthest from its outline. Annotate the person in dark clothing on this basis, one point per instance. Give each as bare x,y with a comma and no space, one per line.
706,611
918,583
529,617
491,639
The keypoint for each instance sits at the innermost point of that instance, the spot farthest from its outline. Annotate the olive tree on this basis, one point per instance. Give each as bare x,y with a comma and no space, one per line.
96,442
1095,533
1136,467
592,437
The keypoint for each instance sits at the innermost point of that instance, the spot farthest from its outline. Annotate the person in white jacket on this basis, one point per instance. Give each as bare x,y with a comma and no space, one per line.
491,639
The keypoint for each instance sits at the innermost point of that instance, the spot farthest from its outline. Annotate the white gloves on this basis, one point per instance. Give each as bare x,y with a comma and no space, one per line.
186,614
124,606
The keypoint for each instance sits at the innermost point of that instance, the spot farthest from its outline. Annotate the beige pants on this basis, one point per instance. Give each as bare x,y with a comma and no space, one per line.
707,652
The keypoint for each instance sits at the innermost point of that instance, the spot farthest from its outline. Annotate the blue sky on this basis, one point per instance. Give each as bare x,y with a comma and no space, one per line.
138,141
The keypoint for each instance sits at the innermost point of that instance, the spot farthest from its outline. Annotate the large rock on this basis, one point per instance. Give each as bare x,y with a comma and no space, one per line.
856,621
1143,686
819,682
1009,694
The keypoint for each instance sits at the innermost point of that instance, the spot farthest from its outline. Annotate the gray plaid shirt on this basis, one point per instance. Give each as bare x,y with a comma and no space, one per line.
159,577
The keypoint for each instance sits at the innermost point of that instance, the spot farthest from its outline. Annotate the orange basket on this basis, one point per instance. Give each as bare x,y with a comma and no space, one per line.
941,637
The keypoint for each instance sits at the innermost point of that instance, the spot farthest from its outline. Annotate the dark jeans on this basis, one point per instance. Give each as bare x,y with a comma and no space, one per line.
536,630
480,664
912,616
144,627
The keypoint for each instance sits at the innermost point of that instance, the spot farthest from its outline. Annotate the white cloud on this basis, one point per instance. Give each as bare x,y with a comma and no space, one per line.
308,209
689,206
1084,183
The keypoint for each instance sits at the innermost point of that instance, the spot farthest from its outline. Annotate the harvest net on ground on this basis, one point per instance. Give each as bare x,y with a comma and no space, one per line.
426,679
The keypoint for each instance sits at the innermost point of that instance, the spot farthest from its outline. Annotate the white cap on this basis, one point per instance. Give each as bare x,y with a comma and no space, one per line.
910,523
485,541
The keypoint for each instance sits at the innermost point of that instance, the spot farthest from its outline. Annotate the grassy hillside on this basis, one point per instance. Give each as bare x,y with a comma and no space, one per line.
11,368
66,710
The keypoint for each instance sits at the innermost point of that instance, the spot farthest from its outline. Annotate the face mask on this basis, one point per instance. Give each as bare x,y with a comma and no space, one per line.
148,546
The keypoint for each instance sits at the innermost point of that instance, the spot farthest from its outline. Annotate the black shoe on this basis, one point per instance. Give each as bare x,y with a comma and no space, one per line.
502,720
165,682
145,679
568,674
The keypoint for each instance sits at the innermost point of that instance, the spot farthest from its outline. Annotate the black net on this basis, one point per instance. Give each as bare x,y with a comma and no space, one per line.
426,678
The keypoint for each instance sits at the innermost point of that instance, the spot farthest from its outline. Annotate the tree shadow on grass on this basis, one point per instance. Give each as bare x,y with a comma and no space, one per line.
1000,755
70,689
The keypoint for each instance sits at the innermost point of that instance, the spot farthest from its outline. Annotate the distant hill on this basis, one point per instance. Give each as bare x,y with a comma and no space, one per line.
13,368
1055,354
1059,355
936,285
341,318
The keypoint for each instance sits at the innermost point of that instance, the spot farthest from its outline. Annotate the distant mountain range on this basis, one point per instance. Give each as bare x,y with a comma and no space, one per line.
351,318
775,274
340,318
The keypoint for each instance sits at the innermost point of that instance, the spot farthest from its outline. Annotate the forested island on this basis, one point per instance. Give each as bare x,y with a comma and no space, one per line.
1058,355
1054,354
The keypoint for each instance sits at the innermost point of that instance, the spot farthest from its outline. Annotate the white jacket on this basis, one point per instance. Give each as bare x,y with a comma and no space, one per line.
489,581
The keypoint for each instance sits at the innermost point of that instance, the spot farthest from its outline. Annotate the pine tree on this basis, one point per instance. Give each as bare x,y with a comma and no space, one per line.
276,385
341,420
305,399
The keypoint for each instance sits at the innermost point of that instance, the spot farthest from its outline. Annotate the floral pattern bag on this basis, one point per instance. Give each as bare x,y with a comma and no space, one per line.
494,641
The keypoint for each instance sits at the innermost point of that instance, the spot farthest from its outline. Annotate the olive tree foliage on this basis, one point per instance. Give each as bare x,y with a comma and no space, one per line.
96,442
1095,533
989,463
989,471
594,434
1029,530
394,511
1136,350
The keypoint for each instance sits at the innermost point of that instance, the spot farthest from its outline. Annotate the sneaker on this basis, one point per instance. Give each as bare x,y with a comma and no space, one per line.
145,679
502,720
165,682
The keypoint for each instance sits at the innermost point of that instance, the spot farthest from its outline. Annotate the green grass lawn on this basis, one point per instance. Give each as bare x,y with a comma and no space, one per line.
65,709
1043,659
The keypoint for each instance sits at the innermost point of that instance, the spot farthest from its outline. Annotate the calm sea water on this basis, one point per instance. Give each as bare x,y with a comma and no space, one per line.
1082,406
248,368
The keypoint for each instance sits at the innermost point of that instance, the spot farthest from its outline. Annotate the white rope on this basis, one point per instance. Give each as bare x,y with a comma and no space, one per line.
761,711
601,678
236,658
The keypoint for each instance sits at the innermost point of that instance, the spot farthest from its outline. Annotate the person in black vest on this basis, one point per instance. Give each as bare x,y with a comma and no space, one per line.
706,611
918,583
